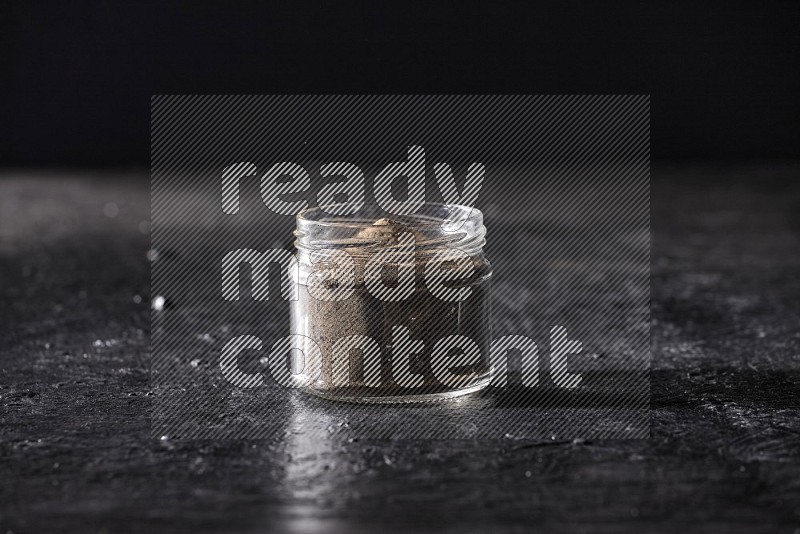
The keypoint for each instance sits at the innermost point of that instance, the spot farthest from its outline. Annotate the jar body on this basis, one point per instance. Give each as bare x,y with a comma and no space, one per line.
423,346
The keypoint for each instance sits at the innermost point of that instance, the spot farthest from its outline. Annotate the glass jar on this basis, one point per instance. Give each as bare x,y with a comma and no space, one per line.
392,308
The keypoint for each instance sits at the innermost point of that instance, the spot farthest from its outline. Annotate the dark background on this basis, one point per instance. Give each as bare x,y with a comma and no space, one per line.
77,76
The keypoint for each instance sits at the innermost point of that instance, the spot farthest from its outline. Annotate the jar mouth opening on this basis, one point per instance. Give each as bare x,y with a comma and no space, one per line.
429,216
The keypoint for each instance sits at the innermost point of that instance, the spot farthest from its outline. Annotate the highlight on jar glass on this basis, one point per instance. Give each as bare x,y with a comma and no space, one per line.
392,308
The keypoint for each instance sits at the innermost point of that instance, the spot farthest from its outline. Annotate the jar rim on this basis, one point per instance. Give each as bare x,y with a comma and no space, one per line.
429,215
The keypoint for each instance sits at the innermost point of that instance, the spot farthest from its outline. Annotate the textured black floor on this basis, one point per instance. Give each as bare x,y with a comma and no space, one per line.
724,452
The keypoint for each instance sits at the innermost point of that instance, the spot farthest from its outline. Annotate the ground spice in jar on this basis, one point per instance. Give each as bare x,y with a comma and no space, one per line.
403,332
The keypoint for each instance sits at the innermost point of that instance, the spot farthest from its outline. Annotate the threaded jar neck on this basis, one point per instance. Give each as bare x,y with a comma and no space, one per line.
368,230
